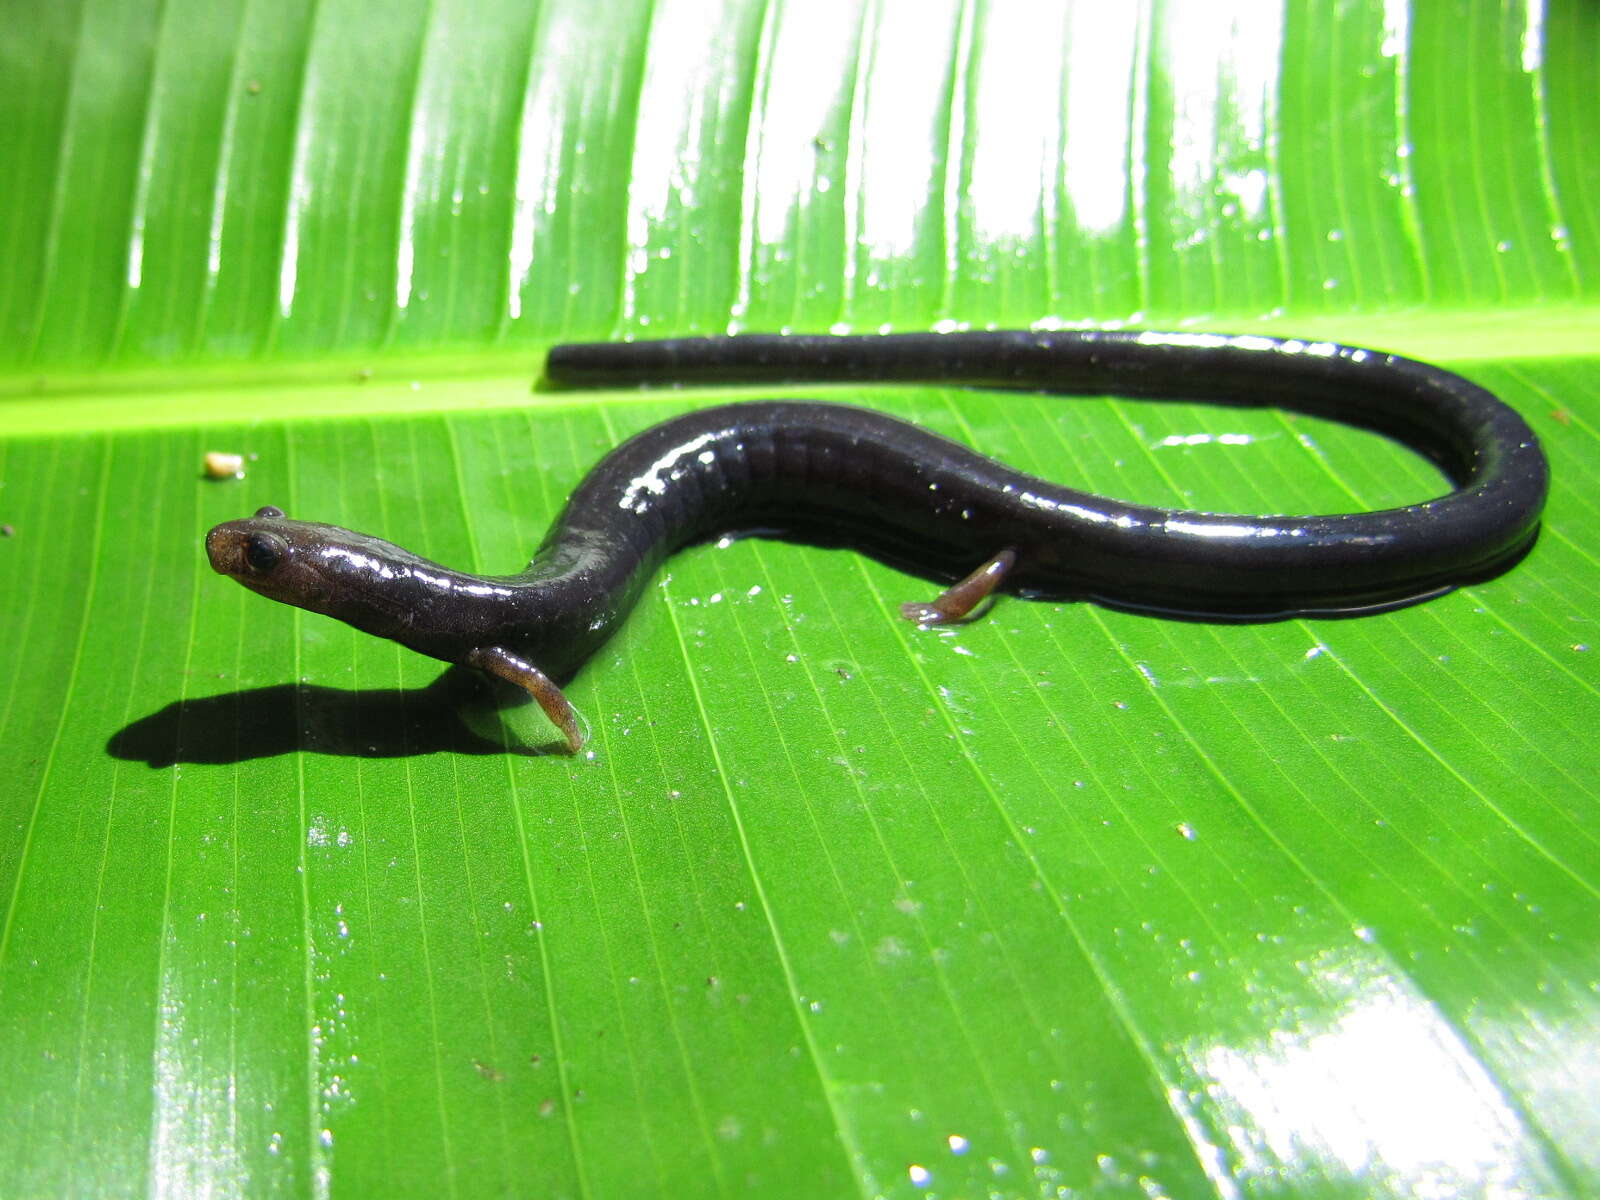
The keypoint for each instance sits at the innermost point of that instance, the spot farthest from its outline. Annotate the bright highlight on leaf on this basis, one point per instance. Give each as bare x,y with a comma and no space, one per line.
1062,900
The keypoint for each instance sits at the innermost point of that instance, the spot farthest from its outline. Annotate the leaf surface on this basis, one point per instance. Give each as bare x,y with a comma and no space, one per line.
1063,900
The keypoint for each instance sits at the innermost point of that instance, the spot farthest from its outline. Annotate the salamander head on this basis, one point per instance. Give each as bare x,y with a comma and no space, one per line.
356,578
280,558
313,566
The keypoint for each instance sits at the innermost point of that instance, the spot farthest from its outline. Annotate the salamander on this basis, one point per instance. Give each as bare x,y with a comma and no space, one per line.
845,475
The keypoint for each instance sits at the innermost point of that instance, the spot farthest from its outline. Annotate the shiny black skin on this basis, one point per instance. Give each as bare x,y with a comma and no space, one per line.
850,476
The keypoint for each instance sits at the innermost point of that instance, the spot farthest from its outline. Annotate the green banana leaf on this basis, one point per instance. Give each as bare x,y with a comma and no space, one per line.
1063,901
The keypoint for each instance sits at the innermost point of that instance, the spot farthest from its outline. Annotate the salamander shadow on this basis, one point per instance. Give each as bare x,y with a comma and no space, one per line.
388,723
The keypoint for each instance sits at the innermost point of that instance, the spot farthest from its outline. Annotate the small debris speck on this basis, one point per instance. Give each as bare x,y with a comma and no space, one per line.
220,465
7,531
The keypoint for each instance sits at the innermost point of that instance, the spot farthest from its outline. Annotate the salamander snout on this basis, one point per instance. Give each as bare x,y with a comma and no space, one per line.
246,549
243,554
277,557
318,567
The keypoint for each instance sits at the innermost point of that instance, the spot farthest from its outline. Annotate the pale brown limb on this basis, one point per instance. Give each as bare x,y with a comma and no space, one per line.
959,599
499,661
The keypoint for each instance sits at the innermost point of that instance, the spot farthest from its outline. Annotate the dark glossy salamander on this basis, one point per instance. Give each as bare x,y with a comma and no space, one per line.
846,475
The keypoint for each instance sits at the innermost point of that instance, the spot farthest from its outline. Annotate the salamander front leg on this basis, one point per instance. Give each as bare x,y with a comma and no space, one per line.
959,599
499,661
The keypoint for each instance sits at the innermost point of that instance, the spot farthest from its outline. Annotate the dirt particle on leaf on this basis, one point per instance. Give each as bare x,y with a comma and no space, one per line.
220,464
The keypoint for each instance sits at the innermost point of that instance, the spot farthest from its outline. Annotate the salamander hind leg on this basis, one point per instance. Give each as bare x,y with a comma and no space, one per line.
960,599
499,661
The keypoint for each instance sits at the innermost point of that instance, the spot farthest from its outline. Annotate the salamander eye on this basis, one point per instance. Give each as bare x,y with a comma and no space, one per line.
263,552
268,510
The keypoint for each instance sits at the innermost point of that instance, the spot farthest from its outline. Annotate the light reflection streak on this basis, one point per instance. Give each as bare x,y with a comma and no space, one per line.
431,157
1017,110
1091,515
1255,343
454,583
219,194
541,141
812,47
365,563
898,127
1533,36
1206,439
1386,1091
1222,530
1396,45
782,174
194,1152
141,195
1196,46
300,195
1104,44
957,172
654,480
406,251
1222,62
670,136
135,273
1396,28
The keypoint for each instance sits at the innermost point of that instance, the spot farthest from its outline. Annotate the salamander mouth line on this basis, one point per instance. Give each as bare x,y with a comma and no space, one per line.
844,475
